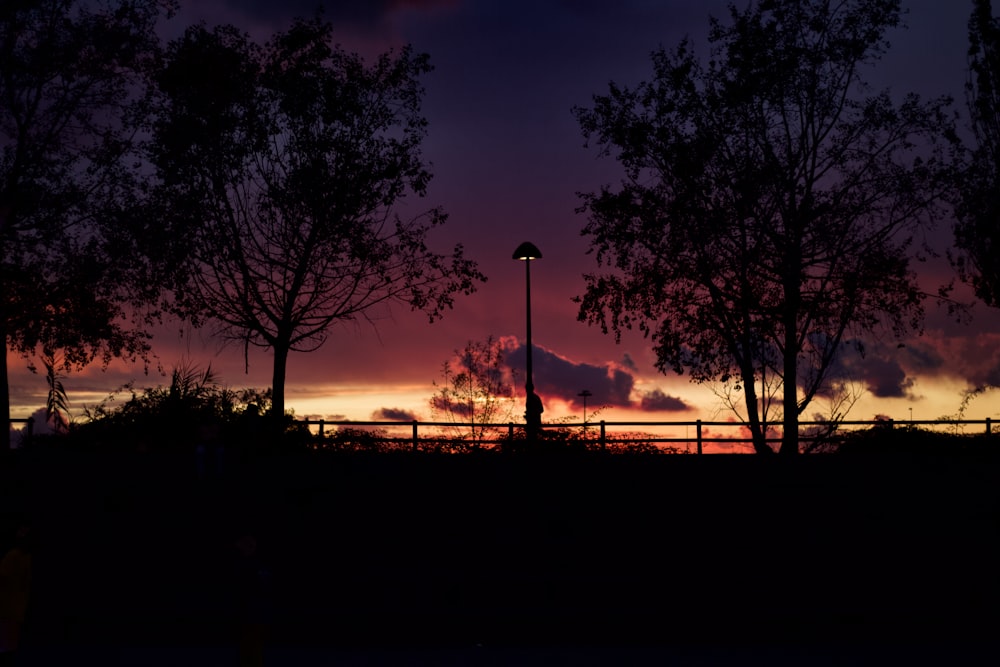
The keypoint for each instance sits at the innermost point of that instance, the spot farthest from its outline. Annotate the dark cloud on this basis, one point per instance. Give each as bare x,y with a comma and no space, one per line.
445,405
844,368
886,369
657,401
976,359
886,378
326,418
988,376
922,358
393,415
889,369
558,377
629,363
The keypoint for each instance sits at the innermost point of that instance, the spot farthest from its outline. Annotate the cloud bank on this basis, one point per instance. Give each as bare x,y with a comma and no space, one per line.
610,384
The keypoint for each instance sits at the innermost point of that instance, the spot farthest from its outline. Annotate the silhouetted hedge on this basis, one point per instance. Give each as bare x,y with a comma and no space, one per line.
887,440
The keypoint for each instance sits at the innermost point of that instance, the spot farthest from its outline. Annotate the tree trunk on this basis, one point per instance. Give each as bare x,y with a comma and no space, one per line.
759,437
4,388
278,383
790,400
4,373
790,357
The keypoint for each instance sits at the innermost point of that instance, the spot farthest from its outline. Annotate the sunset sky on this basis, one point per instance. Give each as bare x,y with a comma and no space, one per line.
508,161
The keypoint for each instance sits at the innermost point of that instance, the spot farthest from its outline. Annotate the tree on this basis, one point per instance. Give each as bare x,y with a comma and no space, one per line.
72,96
771,203
977,231
286,165
477,389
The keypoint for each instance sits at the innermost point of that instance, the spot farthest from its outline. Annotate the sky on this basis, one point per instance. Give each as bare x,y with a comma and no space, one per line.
509,160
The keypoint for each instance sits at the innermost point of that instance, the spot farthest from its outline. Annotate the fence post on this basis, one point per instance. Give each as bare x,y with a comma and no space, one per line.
322,423
989,423
416,440
29,431
604,440
698,433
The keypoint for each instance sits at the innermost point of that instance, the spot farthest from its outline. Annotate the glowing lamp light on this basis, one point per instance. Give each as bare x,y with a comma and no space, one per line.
527,252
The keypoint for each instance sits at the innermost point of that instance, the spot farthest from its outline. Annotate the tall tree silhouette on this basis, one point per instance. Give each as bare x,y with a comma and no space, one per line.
73,276
285,165
977,232
770,202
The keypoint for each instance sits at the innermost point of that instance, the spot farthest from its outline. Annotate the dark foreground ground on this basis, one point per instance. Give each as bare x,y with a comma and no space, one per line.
522,560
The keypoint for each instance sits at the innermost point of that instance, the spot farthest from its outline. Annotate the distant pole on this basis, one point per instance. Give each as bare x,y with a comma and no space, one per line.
533,404
585,393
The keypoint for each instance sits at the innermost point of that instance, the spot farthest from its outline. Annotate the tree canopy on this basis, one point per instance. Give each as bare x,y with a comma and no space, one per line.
771,203
72,101
286,166
977,232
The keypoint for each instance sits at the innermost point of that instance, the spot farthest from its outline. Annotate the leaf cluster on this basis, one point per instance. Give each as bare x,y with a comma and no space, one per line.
72,102
976,231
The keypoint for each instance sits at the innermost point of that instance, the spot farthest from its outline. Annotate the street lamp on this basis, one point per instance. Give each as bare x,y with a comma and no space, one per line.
533,404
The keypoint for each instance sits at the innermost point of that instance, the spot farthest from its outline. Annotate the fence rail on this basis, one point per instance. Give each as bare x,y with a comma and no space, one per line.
605,431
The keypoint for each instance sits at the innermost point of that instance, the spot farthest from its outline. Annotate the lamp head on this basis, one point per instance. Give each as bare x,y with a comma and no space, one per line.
527,252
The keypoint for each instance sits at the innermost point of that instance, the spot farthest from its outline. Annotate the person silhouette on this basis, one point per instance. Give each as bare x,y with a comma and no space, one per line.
533,412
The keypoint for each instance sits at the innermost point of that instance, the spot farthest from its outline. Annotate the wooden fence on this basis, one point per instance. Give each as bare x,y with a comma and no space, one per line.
604,432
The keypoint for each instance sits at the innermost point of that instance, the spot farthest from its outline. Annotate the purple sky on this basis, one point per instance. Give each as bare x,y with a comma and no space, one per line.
508,160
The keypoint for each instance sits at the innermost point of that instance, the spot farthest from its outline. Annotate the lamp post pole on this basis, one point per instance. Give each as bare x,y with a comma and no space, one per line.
533,404
529,381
